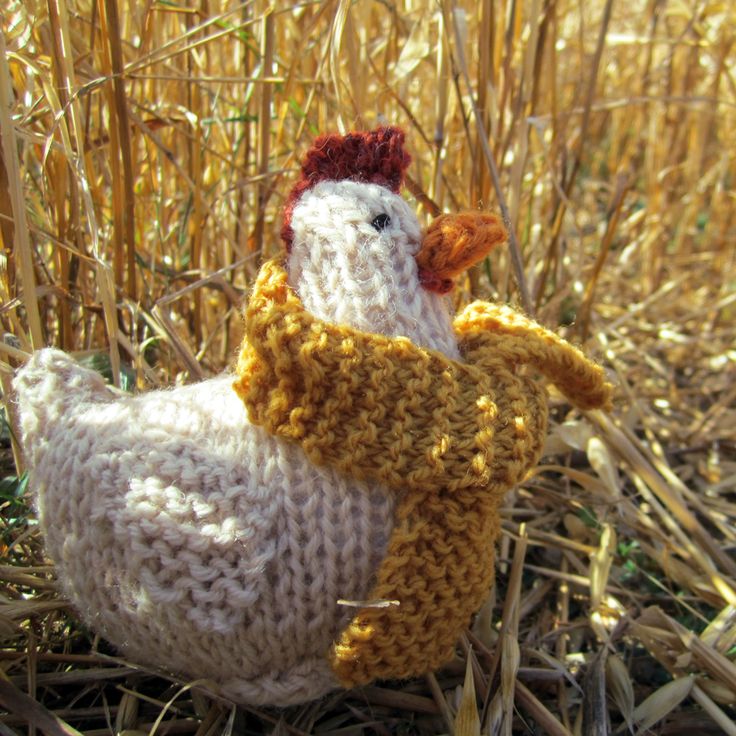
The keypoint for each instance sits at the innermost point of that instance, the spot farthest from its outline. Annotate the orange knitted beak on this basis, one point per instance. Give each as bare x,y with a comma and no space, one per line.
452,244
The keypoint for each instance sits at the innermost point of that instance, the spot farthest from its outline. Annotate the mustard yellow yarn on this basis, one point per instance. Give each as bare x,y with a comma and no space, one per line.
451,437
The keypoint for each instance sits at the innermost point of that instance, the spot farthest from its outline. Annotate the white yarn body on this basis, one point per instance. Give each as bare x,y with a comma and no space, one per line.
194,541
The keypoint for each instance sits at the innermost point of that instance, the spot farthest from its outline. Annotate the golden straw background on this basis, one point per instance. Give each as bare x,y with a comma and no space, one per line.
147,148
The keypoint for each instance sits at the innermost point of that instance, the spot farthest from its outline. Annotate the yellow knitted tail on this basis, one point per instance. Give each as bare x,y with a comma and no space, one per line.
522,341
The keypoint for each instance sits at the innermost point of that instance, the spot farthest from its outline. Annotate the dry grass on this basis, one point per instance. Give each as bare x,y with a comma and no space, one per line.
147,148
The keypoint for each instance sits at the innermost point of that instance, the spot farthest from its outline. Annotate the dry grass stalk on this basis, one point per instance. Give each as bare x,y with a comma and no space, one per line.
125,209
595,719
442,705
32,711
6,373
467,720
493,168
21,247
539,712
724,722
662,702
618,682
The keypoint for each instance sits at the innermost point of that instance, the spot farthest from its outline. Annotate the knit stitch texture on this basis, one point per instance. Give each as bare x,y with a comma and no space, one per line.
348,273
198,542
375,157
449,437
192,540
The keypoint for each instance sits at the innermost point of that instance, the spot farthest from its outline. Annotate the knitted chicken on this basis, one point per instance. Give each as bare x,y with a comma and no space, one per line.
325,516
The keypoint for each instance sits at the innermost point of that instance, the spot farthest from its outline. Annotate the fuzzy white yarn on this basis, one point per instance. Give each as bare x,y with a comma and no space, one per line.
194,541
346,272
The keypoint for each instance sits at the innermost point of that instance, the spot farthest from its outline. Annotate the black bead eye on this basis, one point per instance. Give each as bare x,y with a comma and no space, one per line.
381,222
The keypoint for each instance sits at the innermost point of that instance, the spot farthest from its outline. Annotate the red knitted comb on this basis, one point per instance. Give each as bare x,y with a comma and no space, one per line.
377,157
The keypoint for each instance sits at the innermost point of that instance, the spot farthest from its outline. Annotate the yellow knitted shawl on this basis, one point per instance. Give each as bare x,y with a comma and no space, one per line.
450,436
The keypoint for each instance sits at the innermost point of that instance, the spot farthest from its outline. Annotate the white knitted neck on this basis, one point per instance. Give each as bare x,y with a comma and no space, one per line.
346,271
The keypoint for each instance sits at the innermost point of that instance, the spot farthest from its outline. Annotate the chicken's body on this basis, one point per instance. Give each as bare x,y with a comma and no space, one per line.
199,543
193,540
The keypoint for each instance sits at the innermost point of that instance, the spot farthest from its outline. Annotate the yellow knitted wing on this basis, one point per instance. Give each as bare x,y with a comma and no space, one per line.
520,340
